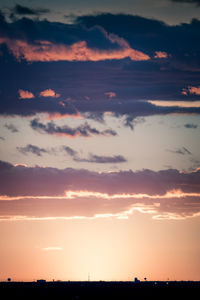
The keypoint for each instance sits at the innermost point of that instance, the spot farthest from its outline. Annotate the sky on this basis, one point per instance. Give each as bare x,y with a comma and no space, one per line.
99,140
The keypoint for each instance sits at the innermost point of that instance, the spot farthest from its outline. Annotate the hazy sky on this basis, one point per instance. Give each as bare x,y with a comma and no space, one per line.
100,139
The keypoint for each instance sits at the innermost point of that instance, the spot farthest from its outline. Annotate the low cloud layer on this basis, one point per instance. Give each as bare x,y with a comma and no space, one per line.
49,193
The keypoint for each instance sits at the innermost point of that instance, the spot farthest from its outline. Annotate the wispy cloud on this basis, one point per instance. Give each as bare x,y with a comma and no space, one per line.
190,126
52,249
99,159
32,149
182,151
11,127
84,130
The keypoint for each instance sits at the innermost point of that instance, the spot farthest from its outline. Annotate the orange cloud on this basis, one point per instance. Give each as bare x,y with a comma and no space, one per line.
110,94
160,54
25,94
195,90
166,103
46,51
55,116
49,93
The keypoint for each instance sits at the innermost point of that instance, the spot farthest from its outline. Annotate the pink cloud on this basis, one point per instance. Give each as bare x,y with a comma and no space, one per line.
47,51
195,90
55,116
49,93
160,54
25,94
110,95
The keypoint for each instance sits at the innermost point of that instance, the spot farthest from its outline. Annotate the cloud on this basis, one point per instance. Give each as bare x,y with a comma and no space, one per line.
11,127
102,159
49,93
182,151
134,82
24,10
52,249
153,36
70,151
110,95
84,130
195,90
46,51
160,54
32,149
177,104
190,126
39,193
2,138
99,159
25,94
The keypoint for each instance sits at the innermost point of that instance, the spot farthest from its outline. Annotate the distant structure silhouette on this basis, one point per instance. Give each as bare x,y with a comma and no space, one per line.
41,281
9,279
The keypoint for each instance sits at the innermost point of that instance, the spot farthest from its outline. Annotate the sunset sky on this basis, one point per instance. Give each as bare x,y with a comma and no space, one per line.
100,139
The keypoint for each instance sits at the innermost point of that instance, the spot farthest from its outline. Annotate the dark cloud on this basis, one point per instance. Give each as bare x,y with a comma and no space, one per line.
11,127
32,149
2,138
70,151
84,130
99,159
103,159
188,1
86,83
150,36
29,183
182,151
20,180
190,126
24,10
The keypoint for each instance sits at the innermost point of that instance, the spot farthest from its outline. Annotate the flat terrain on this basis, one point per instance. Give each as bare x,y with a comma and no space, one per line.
100,290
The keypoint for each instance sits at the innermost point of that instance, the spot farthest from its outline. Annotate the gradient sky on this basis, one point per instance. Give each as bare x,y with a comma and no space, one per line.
100,139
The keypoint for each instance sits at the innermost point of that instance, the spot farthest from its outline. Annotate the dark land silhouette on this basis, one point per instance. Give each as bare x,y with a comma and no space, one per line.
100,290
